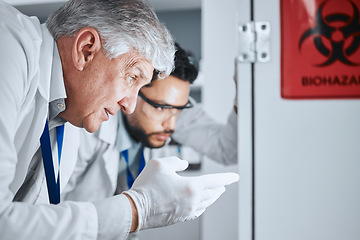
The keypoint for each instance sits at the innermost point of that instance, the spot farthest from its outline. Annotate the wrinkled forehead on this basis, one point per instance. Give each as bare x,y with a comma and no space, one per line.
134,59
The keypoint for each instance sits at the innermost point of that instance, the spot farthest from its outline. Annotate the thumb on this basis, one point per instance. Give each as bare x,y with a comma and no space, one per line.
174,163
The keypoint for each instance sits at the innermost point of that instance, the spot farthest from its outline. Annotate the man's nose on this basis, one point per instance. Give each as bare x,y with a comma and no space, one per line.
128,103
170,122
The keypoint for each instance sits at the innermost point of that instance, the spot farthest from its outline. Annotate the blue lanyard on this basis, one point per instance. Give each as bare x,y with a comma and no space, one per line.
130,178
53,185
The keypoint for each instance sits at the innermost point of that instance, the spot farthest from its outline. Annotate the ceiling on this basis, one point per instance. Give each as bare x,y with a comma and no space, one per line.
175,4
158,5
42,8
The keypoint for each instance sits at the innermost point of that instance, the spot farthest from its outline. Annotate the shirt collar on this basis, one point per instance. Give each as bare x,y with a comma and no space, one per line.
57,87
123,139
107,130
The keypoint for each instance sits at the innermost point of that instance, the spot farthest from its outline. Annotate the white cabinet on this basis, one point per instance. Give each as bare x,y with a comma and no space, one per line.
299,159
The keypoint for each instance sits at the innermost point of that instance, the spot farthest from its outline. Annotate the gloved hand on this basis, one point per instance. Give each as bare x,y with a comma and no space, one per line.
162,197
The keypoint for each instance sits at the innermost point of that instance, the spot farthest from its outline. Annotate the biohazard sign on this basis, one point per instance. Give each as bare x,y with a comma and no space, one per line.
320,49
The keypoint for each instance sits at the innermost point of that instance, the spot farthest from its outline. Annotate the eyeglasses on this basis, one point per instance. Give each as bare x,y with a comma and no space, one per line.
162,111
162,106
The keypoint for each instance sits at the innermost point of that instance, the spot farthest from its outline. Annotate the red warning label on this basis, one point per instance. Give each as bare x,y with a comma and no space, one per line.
320,49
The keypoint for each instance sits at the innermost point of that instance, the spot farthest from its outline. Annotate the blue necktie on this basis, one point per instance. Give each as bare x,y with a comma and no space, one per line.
53,184
130,178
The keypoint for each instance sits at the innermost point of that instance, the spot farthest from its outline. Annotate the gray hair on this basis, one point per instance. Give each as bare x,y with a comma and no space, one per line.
123,26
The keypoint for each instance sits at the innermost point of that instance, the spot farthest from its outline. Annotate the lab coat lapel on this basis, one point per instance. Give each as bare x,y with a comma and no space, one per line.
39,104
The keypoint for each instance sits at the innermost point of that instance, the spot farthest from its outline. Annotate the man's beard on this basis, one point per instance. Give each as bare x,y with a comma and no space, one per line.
139,134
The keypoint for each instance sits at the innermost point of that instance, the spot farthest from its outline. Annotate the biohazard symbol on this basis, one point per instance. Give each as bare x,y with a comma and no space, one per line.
336,35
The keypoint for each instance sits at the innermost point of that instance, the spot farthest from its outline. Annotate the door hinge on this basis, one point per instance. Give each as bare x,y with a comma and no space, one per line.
254,42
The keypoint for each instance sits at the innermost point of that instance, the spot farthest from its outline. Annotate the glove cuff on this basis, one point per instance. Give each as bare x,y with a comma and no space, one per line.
136,197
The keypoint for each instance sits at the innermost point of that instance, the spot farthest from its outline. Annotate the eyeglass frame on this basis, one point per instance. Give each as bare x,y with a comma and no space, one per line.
166,106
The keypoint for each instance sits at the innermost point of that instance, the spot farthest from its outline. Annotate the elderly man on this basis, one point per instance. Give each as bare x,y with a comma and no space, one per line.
88,61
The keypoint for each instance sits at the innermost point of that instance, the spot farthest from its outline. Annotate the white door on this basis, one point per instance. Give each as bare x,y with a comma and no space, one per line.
299,160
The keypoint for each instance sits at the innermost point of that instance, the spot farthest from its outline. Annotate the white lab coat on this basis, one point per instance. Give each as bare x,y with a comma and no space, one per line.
96,173
26,62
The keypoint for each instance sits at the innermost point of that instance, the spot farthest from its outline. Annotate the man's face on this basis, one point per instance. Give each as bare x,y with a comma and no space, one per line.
154,126
104,87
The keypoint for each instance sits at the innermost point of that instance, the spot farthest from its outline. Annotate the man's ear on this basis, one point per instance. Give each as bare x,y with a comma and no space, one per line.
86,44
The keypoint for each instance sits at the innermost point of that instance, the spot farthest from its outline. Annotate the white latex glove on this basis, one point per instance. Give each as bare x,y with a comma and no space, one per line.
162,197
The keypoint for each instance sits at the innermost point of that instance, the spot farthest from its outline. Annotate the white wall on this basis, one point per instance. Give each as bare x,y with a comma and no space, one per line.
220,221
